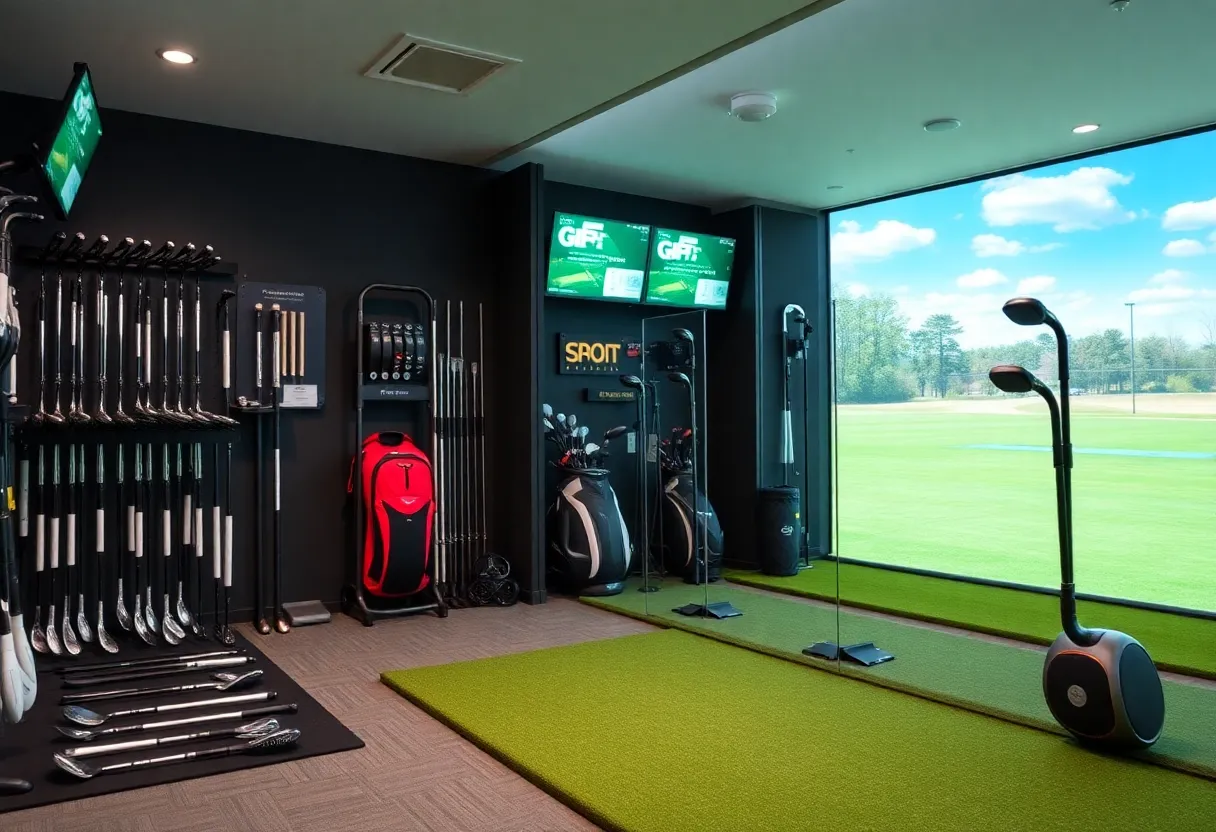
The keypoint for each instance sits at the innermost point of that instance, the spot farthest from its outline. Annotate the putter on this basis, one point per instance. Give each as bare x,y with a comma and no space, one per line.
283,738
250,730
82,620
280,618
103,638
222,682
229,716
52,637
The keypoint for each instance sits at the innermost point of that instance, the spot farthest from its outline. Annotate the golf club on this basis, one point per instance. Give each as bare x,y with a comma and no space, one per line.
280,618
69,635
40,415
282,738
86,735
250,730
52,636
153,661
126,543
103,638
222,682
81,715
89,680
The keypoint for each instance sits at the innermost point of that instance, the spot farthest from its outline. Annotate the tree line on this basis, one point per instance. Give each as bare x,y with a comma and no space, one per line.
880,358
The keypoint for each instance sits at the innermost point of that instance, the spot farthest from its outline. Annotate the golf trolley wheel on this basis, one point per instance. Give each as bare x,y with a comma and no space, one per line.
492,566
481,592
506,593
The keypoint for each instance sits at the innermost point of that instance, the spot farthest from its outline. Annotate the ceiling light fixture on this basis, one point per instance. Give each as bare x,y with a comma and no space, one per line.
175,56
1120,5
753,106
942,125
1085,128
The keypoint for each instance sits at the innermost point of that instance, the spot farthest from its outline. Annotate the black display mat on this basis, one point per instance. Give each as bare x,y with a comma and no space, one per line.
26,748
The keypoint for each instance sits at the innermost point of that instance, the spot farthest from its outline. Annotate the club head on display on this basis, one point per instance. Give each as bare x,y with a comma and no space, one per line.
682,334
613,433
679,378
1027,311
1010,378
547,410
631,381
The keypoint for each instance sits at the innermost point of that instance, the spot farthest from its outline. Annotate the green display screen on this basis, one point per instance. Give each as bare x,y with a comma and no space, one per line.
689,269
75,140
600,259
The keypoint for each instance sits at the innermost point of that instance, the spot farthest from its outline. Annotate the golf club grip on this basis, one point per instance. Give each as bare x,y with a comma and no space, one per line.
197,543
228,551
149,662
39,542
53,542
187,519
130,528
166,532
14,785
264,696
217,558
225,351
155,673
71,535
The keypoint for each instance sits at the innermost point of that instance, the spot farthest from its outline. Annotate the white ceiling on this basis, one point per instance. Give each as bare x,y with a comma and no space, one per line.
863,76
294,67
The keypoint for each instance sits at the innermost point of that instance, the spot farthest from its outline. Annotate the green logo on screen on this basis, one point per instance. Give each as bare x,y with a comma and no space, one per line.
590,235
685,248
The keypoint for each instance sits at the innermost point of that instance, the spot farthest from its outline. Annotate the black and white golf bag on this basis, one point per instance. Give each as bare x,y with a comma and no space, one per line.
589,544
678,531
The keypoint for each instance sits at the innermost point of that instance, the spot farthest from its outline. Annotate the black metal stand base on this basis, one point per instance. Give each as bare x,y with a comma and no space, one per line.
354,605
718,609
864,653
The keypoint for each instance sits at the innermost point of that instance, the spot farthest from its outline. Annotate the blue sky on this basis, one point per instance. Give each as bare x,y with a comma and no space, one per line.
1086,237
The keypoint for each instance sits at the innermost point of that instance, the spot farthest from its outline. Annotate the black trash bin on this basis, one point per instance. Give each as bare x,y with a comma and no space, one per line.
778,530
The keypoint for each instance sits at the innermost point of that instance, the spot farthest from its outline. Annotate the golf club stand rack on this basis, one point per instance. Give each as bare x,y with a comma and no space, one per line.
783,536
277,358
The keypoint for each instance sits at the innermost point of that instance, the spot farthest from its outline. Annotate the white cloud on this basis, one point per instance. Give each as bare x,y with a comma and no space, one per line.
857,290
994,245
980,278
1171,292
1036,285
888,237
1184,248
1188,216
1045,247
1080,200
1168,277
958,216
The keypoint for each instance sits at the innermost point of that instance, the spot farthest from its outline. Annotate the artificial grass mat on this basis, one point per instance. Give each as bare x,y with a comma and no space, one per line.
973,673
1176,642
668,732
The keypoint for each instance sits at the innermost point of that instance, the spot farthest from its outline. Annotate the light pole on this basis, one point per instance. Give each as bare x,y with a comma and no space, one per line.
1131,325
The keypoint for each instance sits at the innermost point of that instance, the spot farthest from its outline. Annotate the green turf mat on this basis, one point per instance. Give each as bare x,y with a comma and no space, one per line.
974,673
668,732
1176,642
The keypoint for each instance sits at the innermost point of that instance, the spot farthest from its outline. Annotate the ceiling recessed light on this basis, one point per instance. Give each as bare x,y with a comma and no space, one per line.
175,56
753,106
1086,128
835,187
942,125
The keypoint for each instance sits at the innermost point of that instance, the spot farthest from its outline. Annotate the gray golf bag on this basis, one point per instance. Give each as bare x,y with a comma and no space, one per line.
589,544
678,532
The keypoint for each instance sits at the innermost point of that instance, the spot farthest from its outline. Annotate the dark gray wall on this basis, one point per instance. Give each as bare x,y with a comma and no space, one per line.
300,212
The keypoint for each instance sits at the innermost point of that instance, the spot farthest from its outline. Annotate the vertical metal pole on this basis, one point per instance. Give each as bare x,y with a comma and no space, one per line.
1131,313
484,531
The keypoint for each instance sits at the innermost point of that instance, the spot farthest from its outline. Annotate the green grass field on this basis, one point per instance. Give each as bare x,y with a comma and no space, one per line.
912,493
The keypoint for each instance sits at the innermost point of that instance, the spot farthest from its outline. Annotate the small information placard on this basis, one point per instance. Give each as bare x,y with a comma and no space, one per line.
299,395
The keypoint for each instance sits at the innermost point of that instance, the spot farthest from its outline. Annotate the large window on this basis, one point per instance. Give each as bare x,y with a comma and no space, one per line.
940,471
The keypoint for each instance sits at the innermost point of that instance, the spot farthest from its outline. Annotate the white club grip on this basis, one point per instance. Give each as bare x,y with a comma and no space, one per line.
274,359
227,361
148,346
166,532
39,542
277,479
53,542
72,325
130,528
187,520
198,532
228,550
71,532
139,534
217,545
101,530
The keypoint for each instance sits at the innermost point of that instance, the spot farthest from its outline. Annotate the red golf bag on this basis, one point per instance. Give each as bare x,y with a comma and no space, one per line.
399,513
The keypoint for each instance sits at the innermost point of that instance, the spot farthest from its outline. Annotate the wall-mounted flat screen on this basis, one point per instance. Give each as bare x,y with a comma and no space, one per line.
689,270
598,259
73,143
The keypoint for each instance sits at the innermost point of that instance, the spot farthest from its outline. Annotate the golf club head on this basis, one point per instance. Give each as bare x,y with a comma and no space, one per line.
1027,311
613,433
83,716
76,767
631,381
583,431
236,681
1010,378
680,379
279,739
572,421
682,334
79,734
258,728
547,410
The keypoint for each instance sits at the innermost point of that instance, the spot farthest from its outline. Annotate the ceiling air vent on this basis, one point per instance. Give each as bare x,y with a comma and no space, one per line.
436,66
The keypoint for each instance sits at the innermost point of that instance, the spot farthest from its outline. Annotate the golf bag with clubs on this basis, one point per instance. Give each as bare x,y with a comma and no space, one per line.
589,544
399,507
677,543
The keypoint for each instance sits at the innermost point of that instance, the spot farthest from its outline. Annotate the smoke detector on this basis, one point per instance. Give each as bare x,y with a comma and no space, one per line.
433,65
753,106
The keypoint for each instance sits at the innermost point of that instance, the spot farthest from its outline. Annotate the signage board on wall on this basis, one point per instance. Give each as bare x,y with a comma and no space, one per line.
581,354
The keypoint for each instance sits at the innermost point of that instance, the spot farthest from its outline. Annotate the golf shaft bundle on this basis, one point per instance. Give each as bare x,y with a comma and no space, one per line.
460,469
